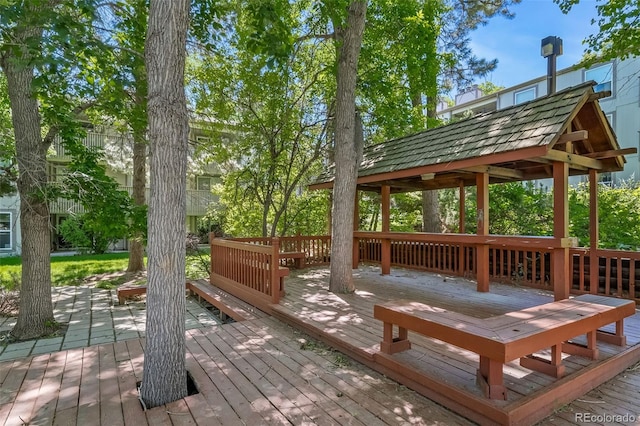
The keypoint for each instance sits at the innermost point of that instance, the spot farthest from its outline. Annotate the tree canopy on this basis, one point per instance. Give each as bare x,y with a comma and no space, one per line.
618,34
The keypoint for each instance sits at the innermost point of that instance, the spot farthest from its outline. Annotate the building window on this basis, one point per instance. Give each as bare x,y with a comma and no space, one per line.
525,95
5,231
606,178
610,118
602,75
203,183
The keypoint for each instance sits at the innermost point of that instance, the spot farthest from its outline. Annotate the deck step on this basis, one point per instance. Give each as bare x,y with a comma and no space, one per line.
226,303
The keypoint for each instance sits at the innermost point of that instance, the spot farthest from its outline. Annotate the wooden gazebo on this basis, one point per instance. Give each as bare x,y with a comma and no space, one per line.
556,136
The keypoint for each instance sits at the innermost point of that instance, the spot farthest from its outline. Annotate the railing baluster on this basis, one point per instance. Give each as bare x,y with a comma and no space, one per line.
619,276
607,279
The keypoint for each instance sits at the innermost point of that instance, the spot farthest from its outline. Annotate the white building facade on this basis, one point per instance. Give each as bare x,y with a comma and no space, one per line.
118,150
622,108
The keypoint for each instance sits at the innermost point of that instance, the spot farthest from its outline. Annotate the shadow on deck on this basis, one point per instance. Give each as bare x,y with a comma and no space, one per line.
440,371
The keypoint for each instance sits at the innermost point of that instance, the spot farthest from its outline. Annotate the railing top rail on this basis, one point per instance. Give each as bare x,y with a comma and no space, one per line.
635,255
255,248
532,242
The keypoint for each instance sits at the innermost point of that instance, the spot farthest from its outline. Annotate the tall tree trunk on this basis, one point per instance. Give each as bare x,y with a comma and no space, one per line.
430,205
428,68
346,149
430,212
136,248
35,317
165,374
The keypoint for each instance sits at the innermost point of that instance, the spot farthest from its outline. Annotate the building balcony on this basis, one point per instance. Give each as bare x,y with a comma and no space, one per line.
197,203
92,140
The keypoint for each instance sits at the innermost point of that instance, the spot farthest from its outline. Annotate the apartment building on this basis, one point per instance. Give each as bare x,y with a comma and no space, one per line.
118,152
622,107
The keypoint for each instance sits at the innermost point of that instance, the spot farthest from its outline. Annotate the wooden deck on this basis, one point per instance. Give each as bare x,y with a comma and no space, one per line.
259,372
442,372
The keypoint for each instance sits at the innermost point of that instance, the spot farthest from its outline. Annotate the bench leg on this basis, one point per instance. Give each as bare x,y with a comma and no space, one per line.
391,345
553,367
618,338
282,292
299,262
588,351
490,378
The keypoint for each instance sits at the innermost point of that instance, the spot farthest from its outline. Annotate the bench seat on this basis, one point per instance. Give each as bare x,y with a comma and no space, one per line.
126,291
504,338
297,256
227,304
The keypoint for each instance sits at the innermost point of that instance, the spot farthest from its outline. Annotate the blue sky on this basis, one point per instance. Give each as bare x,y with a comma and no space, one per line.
516,42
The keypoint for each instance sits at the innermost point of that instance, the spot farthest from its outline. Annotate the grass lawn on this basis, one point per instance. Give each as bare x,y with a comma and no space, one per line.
67,270
75,270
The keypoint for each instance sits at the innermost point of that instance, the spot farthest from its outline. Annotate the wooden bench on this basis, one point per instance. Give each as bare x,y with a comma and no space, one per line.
126,291
504,338
297,256
226,303
282,273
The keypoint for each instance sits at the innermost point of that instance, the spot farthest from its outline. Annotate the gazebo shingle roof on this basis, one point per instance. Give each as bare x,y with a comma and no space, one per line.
526,125
536,124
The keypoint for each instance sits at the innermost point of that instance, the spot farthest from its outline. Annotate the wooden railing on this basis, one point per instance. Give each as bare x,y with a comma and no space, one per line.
523,261
531,268
248,271
317,248
434,256
618,272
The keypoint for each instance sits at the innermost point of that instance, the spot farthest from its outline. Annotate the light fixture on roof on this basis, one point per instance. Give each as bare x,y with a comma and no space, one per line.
550,48
428,176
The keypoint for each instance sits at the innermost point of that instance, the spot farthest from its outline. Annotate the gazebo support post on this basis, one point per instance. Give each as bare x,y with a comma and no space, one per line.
594,233
461,217
356,227
560,264
482,265
386,220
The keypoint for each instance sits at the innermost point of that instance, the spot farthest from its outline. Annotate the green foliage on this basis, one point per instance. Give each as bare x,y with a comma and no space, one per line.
109,214
198,261
520,209
515,208
279,137
618,36
526,209
91,233
8,172
267,26
489,87
618,211
73,232
400,63
406,212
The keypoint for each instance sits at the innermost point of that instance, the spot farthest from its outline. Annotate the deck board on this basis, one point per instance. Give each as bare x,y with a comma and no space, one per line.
49,389
29,388
70,385
346,322
300,395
